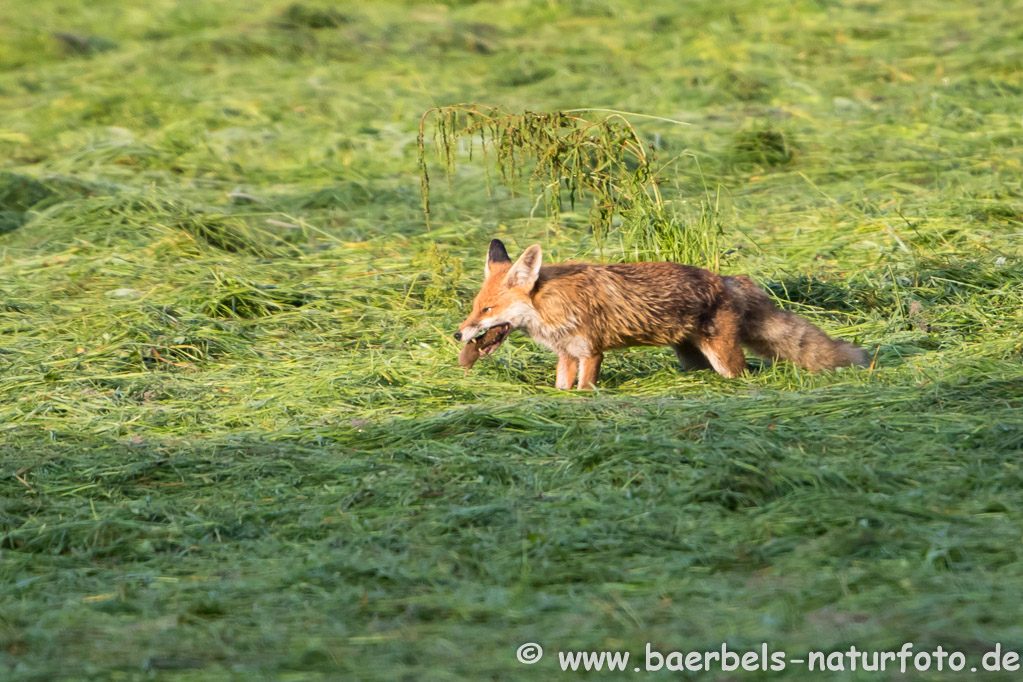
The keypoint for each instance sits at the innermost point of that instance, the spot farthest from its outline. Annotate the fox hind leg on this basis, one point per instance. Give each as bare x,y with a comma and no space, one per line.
689,356
725,356
720,344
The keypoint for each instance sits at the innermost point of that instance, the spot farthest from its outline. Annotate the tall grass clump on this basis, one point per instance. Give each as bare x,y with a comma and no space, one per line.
681,231
578,155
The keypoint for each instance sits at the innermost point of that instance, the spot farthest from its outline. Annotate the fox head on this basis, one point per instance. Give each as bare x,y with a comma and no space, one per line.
505,299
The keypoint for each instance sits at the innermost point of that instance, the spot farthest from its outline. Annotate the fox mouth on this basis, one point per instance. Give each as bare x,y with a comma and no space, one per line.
488,340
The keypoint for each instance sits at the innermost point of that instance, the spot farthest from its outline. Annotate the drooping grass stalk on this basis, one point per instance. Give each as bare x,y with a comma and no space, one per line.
567,156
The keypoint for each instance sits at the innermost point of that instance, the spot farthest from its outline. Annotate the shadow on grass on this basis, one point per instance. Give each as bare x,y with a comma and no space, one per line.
196,553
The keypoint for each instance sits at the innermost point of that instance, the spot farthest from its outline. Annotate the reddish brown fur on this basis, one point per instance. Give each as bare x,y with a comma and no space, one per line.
581,310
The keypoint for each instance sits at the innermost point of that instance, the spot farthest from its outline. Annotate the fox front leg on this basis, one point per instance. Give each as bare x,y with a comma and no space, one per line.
589,371
568,368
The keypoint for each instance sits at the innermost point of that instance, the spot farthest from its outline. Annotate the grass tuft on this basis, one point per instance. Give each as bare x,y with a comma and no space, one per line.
298,14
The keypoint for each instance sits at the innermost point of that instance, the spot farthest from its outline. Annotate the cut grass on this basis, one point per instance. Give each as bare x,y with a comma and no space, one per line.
235,440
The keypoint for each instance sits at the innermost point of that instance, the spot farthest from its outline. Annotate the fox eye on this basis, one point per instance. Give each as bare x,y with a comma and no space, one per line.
487,309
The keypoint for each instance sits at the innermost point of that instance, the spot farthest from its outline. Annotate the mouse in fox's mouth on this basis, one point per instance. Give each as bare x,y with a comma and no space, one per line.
483,345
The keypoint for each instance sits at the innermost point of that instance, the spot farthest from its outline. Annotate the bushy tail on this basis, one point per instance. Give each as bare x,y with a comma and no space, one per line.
774,333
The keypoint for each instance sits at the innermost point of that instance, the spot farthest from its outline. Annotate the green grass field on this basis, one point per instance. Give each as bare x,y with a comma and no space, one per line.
235,441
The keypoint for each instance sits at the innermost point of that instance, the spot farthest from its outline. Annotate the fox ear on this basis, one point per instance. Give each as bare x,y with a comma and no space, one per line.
526,269
496,254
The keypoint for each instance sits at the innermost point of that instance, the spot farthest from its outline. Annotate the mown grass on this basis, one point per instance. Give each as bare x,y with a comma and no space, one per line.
236,442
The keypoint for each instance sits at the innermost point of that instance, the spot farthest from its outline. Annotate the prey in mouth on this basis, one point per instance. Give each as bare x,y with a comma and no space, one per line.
489,339
484,343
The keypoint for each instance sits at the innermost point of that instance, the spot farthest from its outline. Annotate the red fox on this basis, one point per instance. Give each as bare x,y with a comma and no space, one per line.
581,310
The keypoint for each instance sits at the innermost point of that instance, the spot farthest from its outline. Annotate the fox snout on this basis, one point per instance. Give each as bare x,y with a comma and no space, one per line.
467,329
